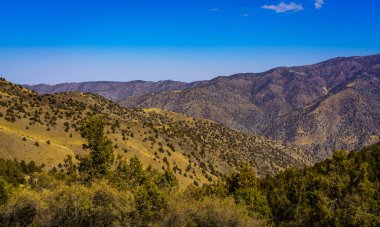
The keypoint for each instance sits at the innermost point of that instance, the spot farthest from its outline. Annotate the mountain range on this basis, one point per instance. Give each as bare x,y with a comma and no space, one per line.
115,91
317,108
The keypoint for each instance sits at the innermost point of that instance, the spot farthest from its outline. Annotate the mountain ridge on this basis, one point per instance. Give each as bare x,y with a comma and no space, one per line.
263,103
112,90
266,97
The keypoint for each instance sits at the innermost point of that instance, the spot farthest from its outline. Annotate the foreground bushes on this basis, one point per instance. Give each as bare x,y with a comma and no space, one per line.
64,205
102,205
207,211
341,191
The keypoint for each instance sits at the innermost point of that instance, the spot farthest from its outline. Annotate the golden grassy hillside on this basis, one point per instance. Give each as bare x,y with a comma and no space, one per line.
44,128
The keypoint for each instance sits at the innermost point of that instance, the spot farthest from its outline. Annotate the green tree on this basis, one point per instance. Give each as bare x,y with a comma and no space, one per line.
168,180
11,173
245,188
245,177
150,202
129,175
98,162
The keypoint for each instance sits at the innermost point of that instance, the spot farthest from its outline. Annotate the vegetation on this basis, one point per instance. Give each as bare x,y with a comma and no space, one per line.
100,190
100,159
316,108
229,176
342,191
46,128
103,191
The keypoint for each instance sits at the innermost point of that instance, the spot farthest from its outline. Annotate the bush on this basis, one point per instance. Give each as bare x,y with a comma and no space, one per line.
209,211
3,192
21,210
150,204
11,172
78,205
62,205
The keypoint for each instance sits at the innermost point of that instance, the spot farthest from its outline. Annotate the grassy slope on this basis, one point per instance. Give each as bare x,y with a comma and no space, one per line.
204,150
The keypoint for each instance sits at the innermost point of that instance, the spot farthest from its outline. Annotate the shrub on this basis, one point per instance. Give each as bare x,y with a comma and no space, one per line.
208,211
62,205
21,210
3,192
150,203
78,205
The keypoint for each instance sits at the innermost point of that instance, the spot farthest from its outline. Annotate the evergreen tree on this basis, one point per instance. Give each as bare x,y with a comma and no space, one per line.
98,162
243,185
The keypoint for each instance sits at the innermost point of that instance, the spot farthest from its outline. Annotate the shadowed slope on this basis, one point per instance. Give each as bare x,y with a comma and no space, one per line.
333,104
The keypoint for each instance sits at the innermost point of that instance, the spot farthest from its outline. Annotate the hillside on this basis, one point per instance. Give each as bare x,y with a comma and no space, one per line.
341,191
317,108
44,128
114,91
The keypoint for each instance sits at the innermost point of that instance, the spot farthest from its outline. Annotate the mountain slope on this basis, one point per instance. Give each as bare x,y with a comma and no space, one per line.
333,104
44,128
114,91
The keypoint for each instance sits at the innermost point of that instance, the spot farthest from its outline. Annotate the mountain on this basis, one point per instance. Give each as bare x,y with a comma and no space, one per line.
317,108
114,91
44,129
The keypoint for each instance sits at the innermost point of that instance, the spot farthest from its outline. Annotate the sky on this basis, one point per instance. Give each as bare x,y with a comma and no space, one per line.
55,41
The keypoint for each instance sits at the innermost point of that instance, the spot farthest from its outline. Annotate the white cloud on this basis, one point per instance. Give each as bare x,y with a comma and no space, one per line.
319,4
244,14
283,7
215,10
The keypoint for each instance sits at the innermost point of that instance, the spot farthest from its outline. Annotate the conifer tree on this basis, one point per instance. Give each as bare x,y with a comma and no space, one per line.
98,162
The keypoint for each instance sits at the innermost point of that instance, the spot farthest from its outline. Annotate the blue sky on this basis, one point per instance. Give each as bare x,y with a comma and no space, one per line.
54,41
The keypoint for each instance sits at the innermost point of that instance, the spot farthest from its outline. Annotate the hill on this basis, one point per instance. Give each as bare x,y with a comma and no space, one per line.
44,128
115,91
341,191
317,108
